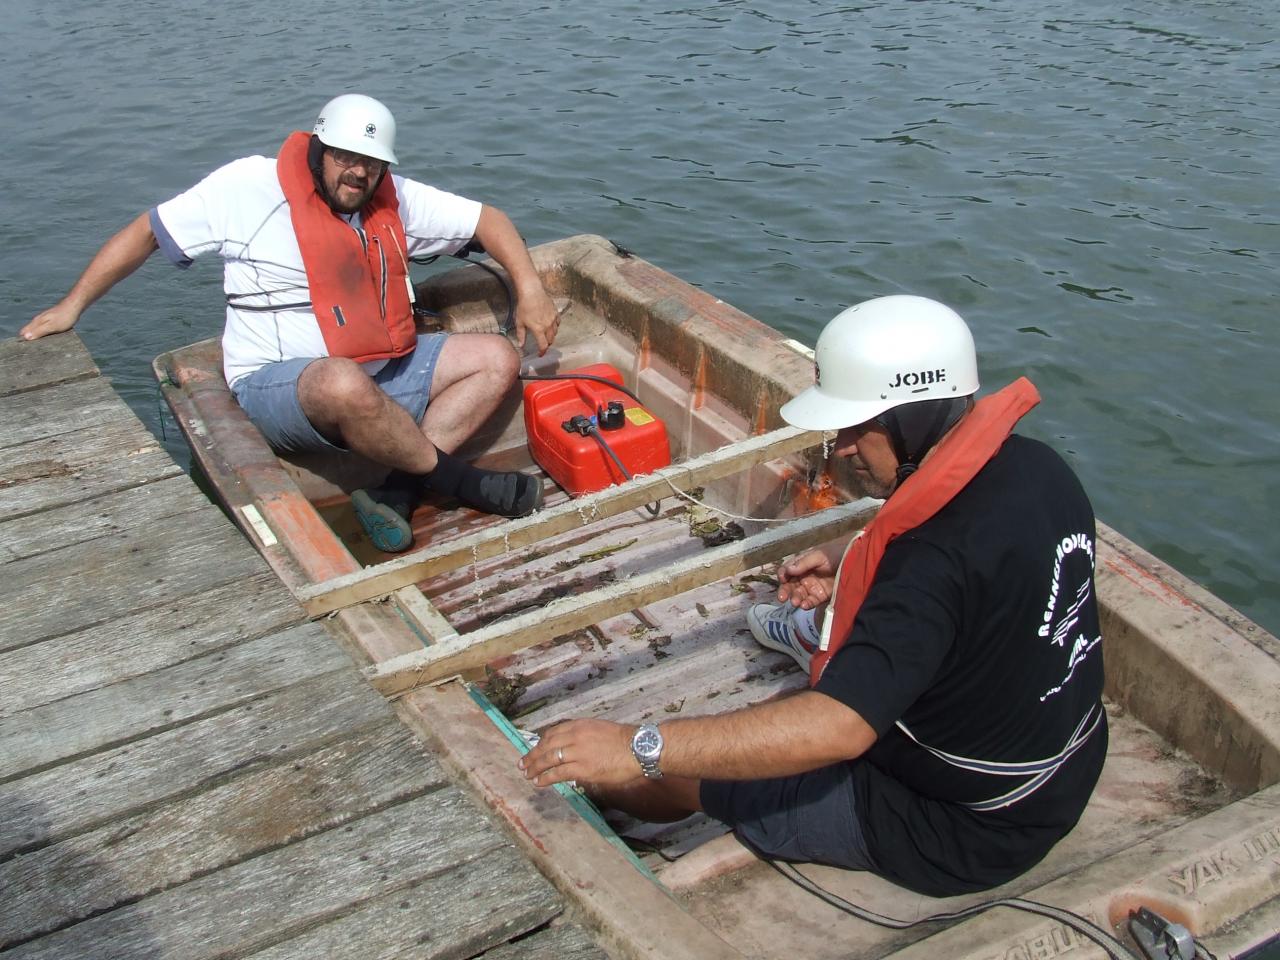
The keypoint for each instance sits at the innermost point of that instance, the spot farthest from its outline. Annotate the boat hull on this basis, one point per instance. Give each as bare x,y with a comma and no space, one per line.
1186,817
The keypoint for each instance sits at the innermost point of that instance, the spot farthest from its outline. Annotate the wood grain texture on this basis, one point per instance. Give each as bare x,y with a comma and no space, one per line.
455,915
152,501
44,362
143,705
87,793
262,810
563,941
54,471
63,410
59,592
71,442
188,767
280,895
138,643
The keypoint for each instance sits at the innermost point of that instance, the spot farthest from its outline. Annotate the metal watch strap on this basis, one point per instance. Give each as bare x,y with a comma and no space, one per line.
648,765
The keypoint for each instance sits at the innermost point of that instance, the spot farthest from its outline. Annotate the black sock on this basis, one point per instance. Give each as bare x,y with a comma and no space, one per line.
450,474
506,493
401,491
401,480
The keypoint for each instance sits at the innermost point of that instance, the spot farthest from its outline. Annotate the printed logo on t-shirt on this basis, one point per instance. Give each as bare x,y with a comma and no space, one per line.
1070,592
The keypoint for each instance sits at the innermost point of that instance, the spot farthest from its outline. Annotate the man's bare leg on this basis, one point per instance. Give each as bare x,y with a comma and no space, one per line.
473,374
346,406
655,801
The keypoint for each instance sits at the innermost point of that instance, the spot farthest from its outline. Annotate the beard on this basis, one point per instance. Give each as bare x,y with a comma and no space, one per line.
348,197
860,482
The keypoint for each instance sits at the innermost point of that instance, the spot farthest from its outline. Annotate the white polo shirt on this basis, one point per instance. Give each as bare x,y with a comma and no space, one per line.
239,211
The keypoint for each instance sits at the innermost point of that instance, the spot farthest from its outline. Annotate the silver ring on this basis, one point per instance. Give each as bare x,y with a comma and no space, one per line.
560,754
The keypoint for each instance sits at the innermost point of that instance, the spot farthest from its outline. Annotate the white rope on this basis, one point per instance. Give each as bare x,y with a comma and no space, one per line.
828,443
724,513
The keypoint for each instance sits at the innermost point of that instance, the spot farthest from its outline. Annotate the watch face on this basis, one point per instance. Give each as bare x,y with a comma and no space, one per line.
647,742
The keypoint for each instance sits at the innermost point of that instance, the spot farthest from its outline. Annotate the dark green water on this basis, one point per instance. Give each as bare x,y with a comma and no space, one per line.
1092,186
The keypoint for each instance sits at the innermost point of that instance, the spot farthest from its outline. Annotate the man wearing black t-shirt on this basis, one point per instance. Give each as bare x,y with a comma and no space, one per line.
954,731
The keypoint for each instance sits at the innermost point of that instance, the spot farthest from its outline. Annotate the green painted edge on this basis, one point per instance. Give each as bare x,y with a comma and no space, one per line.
581,805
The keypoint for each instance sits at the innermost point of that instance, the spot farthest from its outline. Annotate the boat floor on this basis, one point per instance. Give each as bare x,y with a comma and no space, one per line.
693,654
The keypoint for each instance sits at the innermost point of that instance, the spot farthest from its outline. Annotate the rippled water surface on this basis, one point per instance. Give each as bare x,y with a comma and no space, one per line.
1093,186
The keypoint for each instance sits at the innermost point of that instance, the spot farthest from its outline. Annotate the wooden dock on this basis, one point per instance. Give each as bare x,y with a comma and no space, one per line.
188,766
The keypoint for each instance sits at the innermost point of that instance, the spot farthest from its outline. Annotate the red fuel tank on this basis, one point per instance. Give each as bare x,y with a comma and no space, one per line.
566,448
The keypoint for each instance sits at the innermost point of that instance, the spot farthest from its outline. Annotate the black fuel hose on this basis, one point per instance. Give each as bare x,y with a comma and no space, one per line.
582,376
593,431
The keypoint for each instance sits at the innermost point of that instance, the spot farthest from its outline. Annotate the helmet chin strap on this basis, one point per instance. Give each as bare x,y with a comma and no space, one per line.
914,428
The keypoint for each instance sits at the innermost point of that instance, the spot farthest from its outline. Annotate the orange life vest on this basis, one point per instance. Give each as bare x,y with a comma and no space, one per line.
945,472
359,284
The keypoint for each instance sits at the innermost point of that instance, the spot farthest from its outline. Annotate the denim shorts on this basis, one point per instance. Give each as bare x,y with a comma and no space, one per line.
269,395
807,818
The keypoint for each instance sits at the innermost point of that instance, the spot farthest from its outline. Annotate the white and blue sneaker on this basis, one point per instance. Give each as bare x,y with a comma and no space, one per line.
773,625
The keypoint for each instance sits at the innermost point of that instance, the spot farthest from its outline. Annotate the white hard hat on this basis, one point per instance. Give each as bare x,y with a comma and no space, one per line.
360,124
883,353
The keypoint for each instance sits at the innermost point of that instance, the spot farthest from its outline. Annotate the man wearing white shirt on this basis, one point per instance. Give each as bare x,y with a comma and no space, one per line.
319,346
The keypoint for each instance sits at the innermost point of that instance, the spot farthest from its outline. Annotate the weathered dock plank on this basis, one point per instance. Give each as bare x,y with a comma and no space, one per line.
52,472
565,941
56,593
87,793
267,899
153,638
41,363
153,851
108,716
448,917
188,767
66,437
63,410
154,505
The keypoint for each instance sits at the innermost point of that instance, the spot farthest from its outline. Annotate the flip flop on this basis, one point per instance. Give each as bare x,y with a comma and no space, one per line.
386,529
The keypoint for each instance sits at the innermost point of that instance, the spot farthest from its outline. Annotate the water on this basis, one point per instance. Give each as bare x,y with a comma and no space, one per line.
1091,186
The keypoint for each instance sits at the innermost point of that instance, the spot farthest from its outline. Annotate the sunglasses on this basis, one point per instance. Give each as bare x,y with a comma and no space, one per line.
349,158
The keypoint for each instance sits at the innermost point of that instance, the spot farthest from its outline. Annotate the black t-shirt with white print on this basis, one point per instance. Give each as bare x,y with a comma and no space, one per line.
979,638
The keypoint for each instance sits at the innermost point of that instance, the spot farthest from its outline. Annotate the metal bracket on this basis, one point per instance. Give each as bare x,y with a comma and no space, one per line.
1159,938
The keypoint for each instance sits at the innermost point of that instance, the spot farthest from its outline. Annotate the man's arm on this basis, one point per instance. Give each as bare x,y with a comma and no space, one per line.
119,257
774,739
535,313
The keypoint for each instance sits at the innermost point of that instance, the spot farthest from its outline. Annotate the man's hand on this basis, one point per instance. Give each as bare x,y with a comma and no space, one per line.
808,580
120,256
536,314
592,752
59,318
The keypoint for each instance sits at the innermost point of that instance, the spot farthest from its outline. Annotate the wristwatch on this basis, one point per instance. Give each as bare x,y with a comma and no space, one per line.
646,747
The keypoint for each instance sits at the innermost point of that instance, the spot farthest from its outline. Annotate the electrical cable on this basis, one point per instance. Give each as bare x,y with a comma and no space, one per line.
510,323
1114,948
